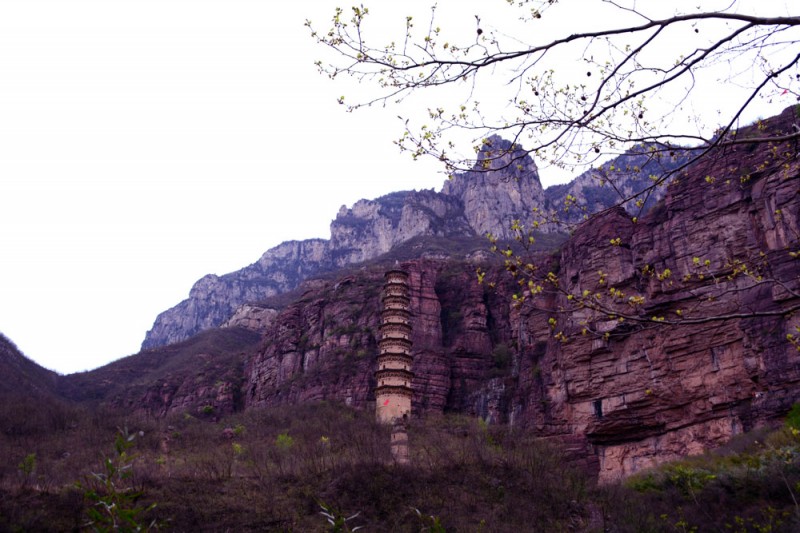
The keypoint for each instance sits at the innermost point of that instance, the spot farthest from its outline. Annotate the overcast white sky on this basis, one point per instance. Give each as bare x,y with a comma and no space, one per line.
146,143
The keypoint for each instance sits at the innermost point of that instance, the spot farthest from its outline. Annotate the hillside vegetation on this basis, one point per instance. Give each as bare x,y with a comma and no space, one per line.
273,469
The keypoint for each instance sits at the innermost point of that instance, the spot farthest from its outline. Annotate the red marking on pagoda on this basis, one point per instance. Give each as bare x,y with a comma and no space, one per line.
393,392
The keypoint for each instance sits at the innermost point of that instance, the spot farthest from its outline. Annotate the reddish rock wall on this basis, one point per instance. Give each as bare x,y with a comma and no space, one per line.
652,392
324,346
643,393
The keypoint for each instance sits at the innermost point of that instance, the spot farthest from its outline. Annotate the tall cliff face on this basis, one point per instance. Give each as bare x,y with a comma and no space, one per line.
324,346
469,206
646,392
637,392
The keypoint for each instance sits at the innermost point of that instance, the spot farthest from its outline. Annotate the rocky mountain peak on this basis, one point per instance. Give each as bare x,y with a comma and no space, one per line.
507,157
502,187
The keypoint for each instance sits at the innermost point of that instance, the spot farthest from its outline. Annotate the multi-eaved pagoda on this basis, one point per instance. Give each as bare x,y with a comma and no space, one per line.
393,377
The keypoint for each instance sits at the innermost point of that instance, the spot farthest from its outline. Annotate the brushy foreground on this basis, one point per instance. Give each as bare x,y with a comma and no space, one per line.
312,467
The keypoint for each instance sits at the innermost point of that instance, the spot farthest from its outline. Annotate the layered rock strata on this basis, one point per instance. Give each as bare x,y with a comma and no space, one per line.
690,348
503,188
325,346
705,355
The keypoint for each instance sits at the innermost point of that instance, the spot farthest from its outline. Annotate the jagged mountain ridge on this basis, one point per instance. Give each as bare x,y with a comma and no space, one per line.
630,173
470,205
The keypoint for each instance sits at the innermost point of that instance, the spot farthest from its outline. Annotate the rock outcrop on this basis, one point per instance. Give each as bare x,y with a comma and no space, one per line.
253,317
324,346
685,347
702,357
504,187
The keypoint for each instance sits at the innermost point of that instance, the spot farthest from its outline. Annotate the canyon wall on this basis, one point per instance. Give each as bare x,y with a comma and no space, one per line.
684,346
702,357
470,205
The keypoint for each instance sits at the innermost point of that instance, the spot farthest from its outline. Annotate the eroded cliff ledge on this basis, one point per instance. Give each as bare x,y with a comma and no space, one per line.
468,206
638,392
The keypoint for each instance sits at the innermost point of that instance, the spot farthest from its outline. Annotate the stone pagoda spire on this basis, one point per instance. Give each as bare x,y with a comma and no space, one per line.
393,392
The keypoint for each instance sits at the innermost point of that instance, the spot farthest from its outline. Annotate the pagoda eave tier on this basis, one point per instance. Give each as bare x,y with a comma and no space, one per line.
398,311
399,292
401,327
396,356
392,335
395,346
394,389
394,373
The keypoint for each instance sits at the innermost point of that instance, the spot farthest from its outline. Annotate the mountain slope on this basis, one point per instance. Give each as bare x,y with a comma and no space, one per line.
202,374
20,375
29,403
472,204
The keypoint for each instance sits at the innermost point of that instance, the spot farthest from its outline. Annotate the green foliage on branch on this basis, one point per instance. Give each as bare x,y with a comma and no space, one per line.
115,500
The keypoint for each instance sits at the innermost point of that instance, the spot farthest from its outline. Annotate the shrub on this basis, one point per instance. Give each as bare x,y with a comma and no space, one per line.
114,500
793,418
26,467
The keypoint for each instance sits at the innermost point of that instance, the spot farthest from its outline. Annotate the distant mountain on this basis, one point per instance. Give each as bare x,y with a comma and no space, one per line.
472,204
615,181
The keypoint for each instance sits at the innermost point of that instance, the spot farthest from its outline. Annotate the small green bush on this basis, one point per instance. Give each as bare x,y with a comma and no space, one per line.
793,417
114,500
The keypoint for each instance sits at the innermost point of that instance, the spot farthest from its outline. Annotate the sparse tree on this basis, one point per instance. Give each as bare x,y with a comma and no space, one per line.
632,82
576,97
